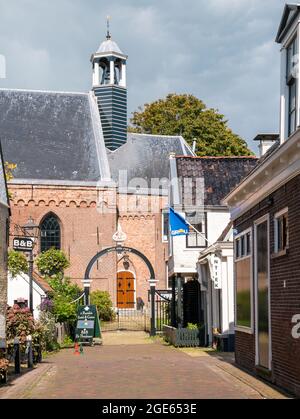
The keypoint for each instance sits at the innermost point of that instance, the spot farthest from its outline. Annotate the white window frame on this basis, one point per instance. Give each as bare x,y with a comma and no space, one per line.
276,217
165,238
237,328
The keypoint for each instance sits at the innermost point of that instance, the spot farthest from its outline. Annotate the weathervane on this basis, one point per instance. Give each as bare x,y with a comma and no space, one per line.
108,36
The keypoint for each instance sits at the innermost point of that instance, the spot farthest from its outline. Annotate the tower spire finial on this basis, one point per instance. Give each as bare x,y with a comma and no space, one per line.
108,35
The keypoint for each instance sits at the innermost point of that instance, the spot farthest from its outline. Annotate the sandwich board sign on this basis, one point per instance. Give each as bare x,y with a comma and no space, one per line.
88,324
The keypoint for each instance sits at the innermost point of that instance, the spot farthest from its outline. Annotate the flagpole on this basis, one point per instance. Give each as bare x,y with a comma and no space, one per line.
201,234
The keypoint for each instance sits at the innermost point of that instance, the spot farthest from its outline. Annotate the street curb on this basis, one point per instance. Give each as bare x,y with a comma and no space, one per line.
267,391
23,384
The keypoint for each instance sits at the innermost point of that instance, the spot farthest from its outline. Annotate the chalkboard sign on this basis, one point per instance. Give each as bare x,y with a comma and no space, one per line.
88,324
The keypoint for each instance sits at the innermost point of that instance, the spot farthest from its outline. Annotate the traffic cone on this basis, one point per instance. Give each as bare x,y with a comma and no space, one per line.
76,349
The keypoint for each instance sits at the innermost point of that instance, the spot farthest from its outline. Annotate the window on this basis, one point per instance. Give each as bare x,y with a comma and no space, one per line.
194,239
50,233
281,229
165,226
291,80
243,245
243,275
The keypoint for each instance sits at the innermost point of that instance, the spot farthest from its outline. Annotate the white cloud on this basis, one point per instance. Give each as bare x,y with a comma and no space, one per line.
222,51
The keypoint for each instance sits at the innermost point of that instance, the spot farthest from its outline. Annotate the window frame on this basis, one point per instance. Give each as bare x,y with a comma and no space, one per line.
277,217
244,233
197,234
292,82
45,218
165,238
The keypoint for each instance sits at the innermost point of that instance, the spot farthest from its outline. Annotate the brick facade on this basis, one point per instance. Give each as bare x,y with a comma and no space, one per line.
86,230
285,301
3,268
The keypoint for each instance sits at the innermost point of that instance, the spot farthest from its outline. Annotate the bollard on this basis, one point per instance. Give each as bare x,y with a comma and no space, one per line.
17,360
29,351
81,349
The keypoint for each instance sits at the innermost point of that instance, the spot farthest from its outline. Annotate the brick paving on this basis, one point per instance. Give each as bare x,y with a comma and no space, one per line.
132,366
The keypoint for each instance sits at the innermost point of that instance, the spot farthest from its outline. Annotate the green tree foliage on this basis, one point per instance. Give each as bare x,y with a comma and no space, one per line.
188,116
52,262
102,300
17,263
9,168
63,295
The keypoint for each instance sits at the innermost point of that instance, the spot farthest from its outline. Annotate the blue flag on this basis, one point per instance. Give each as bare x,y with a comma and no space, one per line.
178,225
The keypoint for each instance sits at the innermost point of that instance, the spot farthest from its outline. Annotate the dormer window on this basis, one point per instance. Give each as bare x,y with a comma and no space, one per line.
291,79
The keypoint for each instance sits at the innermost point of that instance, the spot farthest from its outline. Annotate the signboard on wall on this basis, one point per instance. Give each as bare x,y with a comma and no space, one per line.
217,272
23,244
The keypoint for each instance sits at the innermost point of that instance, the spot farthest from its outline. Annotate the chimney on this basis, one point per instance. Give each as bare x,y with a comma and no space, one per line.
266,141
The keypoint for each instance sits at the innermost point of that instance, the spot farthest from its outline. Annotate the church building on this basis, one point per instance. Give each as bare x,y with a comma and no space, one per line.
80,176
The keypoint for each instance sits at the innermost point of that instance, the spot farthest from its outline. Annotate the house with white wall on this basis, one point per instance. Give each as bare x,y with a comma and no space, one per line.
18,291
197,187
215,273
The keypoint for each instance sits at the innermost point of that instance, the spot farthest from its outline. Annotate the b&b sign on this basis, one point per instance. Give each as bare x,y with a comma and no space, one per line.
23,244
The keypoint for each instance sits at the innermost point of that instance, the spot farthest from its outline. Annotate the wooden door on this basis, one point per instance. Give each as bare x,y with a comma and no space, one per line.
125,290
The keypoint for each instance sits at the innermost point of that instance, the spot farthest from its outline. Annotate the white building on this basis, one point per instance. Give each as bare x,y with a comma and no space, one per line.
215,270
198,185
18,291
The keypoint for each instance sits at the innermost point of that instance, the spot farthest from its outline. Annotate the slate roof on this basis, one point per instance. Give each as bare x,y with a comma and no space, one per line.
52,136
146,156
220,174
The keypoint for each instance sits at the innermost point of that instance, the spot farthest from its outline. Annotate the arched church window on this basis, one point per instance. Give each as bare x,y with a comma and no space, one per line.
50,233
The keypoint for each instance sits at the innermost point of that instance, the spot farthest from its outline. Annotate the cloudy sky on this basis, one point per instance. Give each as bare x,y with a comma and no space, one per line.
222,51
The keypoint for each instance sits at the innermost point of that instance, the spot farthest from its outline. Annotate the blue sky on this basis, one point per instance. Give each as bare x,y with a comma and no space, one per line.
222,51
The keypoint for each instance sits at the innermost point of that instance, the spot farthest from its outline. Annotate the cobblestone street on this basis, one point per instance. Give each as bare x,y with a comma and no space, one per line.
133,366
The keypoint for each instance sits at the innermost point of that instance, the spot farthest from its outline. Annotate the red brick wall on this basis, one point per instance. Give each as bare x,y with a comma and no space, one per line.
285,302
86,231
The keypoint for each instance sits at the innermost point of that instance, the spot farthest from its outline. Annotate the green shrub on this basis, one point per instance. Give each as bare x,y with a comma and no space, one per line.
68,342
102,300
63,295
19,324
17,263
52,262
47,331
192,326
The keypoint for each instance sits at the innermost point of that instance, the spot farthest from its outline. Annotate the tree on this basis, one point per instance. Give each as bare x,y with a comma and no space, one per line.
188,116
52,262
17,263
102,300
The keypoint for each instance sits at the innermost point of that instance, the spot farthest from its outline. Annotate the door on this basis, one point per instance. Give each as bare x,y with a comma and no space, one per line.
262,294
125,290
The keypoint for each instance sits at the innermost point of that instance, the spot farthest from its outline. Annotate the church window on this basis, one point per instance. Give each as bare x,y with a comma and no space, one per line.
50,233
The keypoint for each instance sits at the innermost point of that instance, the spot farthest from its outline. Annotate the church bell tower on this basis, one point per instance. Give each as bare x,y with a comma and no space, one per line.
109,86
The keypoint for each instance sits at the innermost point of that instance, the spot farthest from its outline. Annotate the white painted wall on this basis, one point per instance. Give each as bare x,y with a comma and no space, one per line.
19,288
213,308
185,259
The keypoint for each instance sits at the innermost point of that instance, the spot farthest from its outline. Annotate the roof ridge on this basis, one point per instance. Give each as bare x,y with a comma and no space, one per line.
216,157
43,91
155,135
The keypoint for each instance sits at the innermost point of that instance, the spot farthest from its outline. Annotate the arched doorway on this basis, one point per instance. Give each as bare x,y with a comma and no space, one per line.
126,290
